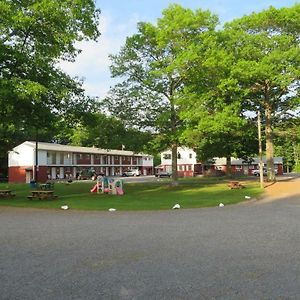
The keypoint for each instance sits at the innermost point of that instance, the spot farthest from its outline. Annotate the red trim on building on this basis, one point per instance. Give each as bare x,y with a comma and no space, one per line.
18,174
42,174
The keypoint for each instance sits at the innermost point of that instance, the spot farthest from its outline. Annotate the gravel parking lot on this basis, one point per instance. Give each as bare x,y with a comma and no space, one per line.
246,251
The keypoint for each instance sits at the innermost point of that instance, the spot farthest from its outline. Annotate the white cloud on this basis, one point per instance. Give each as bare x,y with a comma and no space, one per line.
92,64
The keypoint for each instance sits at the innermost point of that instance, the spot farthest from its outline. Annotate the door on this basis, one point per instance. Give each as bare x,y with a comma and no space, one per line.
28,176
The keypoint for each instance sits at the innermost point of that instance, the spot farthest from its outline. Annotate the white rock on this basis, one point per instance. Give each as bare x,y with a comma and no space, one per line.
247,197
64,207
111,209
176,206
221,205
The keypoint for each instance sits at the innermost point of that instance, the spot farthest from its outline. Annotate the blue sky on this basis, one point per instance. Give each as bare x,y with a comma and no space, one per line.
119,19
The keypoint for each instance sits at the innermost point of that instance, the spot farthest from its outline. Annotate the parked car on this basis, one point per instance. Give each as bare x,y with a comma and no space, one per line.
163,174
257,172
134,172
88,174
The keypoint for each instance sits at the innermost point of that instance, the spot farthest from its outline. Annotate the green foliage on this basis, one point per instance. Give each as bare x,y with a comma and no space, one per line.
34,37
266,49
287,141
107,133
215,124
153,65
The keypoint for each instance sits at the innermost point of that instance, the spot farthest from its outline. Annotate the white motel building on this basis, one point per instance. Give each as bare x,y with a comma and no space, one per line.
63,161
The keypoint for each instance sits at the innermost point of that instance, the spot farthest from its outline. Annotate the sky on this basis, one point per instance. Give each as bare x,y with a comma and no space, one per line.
119,19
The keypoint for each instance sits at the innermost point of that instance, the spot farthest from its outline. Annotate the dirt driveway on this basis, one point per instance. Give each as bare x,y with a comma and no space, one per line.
284,187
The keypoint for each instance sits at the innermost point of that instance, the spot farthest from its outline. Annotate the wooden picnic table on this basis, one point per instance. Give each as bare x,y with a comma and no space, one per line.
42,195
6,194
235,185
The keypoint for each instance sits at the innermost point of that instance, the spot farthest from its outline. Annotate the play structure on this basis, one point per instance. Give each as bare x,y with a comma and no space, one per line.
107,185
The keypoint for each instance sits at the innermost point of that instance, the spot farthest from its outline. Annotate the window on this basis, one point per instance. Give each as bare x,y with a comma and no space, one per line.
191,155
190,167
167,156
104,159
53,158
178,155
61,158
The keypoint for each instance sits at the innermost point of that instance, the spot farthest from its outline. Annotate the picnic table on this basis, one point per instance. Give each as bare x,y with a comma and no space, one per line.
42,195
48,186
235,185
6,194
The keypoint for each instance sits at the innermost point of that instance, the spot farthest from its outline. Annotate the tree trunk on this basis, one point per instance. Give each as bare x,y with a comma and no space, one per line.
174,141
228,166
174,164
269,145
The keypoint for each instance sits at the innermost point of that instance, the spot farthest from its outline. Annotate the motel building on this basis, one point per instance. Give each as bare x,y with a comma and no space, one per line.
57,161
188,165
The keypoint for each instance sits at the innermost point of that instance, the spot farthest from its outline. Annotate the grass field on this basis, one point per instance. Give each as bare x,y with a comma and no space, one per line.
190,193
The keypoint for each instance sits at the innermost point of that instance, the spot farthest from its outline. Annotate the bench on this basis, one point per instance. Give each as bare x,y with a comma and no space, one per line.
48,186
6,194
42,195
235,185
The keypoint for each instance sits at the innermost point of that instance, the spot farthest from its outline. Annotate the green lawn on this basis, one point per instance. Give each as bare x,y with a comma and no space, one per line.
190,193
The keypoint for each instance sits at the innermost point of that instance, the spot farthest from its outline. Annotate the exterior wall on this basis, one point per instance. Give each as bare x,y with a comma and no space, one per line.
17,174
83,159
187,157
280,169
66,164
42,174
238,167
42,157
22,155
146,161
185,161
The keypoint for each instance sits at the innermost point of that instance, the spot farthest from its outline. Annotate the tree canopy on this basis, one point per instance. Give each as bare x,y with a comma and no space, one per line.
266,51
153,64
34,37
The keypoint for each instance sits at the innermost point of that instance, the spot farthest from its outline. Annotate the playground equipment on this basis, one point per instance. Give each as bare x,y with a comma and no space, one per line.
107,185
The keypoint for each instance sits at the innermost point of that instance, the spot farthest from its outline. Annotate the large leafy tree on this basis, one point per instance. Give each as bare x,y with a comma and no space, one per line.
215,124
153,65
34,37
266,49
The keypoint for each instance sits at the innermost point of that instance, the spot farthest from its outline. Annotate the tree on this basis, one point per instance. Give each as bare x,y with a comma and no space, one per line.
215,124
34,37
267,55
287,142
153,64
105,132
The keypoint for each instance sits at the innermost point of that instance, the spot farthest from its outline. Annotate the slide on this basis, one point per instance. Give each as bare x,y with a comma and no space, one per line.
119,191
94,189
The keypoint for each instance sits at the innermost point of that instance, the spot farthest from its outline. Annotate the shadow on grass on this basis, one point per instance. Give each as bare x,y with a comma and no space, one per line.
138,196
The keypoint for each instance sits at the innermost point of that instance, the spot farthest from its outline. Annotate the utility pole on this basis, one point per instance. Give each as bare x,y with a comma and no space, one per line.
261,175
36,166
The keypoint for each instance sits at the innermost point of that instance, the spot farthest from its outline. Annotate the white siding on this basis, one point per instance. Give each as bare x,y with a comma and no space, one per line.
42,158
184,157
147,161
22,155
